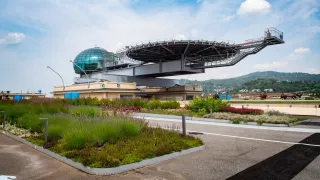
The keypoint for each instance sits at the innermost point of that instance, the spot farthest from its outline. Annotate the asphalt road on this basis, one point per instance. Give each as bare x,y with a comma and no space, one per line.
231,152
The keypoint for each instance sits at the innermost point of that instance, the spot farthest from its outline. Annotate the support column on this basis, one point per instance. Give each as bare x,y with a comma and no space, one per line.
160,66
183,62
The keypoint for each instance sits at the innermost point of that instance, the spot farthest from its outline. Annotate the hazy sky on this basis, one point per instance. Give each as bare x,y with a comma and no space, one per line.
37,33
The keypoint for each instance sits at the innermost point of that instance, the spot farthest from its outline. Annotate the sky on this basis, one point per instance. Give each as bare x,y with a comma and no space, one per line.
35,34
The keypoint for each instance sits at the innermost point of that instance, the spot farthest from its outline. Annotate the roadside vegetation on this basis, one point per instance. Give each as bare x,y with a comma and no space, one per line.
273,101
200,107
94,136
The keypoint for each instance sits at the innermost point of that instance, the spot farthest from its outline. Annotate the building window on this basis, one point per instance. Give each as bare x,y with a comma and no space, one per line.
189,97
118,85
126,96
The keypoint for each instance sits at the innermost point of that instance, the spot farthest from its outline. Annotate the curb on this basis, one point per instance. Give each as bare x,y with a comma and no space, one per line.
188,118
105,171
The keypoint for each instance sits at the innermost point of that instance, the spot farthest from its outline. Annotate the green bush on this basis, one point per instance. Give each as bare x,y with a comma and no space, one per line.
309,98
150,143
236,120
75,138
103,133
154,104
203,105
85,111
17,110
32,122
97,132
260,122
169,105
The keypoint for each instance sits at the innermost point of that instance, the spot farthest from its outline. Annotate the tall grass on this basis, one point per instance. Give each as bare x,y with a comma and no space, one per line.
16,110
85,111
100,131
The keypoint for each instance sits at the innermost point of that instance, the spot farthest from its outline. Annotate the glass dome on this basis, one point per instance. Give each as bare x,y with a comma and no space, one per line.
94,59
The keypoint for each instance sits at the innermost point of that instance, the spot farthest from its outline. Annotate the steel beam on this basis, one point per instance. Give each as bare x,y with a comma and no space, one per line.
167,49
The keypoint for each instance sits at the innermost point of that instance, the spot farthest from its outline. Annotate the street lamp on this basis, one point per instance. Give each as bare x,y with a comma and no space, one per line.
82,71
58,75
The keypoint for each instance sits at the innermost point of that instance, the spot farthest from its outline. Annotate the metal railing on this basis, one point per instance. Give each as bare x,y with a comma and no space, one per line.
273,32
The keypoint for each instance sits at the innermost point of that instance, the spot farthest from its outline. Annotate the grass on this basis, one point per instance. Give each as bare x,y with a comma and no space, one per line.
92,136
177,112
270,117
151,142
259,119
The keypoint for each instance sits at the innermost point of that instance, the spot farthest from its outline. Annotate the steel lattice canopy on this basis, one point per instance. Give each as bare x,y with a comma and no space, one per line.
176,49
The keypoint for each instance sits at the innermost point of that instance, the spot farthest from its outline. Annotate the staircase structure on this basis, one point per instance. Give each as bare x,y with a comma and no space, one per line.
272,36
145,63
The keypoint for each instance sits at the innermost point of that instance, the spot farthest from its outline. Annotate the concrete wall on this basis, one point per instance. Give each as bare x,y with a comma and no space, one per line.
98,85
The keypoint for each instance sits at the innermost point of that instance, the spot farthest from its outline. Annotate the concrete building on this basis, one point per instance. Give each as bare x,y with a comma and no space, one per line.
117,75
179,93
114,90
100,90
6,95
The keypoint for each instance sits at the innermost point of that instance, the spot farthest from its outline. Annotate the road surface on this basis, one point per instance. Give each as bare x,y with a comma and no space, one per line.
232,152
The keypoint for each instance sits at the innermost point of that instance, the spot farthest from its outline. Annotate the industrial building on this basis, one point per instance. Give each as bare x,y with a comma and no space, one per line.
8,95
139,70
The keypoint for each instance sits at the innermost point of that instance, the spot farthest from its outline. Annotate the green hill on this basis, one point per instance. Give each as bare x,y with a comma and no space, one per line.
231,84
280,86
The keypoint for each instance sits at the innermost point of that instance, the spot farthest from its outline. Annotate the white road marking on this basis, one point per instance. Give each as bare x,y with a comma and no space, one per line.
256,139
248,138
288,129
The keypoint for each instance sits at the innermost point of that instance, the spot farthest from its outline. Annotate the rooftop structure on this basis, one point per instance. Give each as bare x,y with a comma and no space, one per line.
146,62
93,60
6,95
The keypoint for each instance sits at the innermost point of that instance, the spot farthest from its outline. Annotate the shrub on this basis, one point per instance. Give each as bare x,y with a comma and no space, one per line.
169,105
260,122
309,98
124,108
85,111
149,143
236,120
32,122
276,113
100,131
204,105
241,110
154,104
75,138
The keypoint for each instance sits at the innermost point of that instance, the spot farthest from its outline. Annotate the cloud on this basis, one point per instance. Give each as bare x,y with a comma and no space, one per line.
180,37
119,46
296,55
228,18
12,38
312,71
273,65
302,50
254,7
194,33
86,23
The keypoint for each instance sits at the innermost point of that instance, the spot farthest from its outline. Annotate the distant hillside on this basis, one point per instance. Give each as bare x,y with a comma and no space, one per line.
279,86
229,84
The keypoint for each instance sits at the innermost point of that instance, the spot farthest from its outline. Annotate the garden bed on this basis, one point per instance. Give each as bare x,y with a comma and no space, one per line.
266,118
275,102
93,137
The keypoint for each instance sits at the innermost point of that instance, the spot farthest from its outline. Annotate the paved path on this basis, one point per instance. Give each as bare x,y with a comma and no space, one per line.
231,152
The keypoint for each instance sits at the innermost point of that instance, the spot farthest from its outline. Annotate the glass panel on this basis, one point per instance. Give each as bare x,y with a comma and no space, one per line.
90,60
